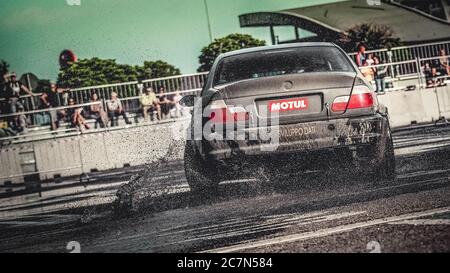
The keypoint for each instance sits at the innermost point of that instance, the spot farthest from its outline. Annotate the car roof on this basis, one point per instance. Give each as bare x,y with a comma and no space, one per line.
272,47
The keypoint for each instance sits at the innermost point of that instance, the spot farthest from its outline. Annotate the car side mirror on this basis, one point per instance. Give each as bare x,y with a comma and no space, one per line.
188,101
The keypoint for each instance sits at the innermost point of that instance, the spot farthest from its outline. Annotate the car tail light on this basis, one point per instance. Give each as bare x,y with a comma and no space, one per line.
222,113
362,97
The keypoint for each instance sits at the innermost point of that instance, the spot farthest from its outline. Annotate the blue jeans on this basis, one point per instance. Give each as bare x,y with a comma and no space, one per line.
380,83
14,104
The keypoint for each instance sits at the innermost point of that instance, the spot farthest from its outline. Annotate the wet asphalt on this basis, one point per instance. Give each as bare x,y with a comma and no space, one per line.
325,212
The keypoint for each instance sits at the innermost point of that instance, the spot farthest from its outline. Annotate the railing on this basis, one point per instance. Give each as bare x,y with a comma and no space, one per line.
406,53
40,118
131,89
184,83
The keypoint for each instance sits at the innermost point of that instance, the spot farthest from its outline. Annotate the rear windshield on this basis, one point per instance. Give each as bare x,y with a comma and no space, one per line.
281,62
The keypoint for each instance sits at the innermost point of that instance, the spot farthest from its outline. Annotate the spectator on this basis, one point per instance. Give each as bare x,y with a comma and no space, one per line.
97,112
433,80
5,130
150,103
50,100
370,59
380,75
178,107
19,122
367,71
115,110
75,115
444,63
12,91
164,103
427,73
361,55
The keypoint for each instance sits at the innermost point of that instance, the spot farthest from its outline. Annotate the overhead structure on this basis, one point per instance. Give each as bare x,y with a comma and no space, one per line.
329,22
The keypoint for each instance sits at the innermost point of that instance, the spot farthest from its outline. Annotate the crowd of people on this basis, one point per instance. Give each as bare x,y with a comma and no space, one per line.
374,69
436,71
58,106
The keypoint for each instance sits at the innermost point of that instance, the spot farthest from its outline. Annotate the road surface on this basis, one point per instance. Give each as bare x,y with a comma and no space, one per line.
318,213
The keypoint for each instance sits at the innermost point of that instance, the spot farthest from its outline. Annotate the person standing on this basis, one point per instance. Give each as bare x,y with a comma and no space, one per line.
178,108
380,75
49,100
361,55
12,91
444,63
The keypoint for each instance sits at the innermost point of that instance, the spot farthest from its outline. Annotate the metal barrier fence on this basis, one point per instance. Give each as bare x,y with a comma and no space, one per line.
40,119
406,53
184,83
131,89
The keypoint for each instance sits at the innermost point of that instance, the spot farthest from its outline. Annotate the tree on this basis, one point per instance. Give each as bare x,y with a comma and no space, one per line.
222,45
4,66
95,71
156,69
373,36
43,86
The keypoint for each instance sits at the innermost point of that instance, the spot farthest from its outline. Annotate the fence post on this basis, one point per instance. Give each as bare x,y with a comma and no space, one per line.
389,54
419,71
81,163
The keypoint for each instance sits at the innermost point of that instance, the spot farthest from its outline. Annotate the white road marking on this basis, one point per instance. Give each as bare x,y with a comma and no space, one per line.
419,222
326,232
264,227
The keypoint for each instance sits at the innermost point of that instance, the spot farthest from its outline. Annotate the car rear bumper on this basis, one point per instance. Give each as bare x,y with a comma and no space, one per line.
348,133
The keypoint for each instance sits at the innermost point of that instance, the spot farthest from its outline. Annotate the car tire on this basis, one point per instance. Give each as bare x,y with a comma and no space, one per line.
198,174
385,171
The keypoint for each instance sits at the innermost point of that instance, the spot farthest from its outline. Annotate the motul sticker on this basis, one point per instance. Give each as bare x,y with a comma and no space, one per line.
288,105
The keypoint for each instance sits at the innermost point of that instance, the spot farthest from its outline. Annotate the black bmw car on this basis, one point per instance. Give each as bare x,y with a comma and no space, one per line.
286,110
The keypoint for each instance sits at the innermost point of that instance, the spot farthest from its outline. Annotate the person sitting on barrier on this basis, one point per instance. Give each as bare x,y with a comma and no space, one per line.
75,115
97,112
19,123
50,99
444,63
115,110
5,130
427,73
434,80
12,91
164,102
380,75
150,103
367,71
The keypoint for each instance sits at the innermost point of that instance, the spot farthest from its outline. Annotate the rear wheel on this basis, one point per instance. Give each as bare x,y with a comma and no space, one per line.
199,175
386,170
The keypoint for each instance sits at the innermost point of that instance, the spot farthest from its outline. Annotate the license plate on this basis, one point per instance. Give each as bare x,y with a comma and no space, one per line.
285,105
